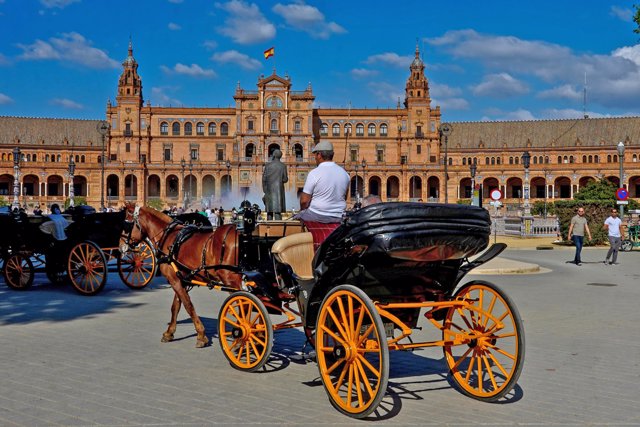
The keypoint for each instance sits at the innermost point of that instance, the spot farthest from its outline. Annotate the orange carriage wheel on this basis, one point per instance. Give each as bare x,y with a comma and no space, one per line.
87,268
352,350
245,331
137,265
18,272
487,357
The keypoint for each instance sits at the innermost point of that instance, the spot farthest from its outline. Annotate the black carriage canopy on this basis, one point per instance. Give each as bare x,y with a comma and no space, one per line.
423,232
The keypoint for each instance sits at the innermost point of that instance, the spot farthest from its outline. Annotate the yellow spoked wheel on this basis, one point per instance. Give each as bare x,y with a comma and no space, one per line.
87,268
245,331
137,266
18,272
353,355
487,356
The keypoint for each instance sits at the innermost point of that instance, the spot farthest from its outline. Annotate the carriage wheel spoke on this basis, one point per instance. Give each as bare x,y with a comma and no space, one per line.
337,323
344,320
498,364
363,375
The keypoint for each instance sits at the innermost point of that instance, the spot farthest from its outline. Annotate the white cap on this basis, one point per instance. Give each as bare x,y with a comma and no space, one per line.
322,146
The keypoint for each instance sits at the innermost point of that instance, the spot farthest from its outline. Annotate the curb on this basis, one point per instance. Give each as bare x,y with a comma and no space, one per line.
500,265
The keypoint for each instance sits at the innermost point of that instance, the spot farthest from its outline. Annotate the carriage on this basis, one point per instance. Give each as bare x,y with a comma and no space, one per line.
93,239
361,295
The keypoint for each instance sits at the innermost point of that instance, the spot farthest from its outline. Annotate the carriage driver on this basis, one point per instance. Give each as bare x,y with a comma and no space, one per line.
323,198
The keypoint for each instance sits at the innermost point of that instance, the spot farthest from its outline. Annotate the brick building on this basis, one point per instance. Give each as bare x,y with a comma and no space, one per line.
215,155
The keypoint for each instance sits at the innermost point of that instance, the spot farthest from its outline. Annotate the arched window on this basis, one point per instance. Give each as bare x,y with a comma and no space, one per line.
335,129
634,158
188,128
324,129
464,161
608,158
493,160
82,159
584,159
615,158
164,128
224,128
58,158
517,159
46,157
487,161
535,160
200,128
347,129
596,159
274,125
175,128
212,128
570,159
249,151
359,129
371,129
497,160
298,151
559,159
590,159
510,160
383,129
450,161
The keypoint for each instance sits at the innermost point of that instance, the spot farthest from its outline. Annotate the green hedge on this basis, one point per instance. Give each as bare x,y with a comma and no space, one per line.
596,211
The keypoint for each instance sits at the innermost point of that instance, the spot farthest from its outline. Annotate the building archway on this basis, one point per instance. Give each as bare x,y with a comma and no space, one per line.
433,188
153,185
514,188
130,187
415,188
464,188
375,184
562,188
356,188
55,186
393,188
488,185
271,148
634,186
208,186
80,186
172,186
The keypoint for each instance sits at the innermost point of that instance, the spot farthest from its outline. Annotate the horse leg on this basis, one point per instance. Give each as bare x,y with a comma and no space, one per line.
175,309
183,296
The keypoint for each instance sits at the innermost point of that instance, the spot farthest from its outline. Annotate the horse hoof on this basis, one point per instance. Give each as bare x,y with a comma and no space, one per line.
167,338
202,343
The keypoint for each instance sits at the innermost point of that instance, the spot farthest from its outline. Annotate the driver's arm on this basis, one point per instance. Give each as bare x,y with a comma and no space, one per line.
305,200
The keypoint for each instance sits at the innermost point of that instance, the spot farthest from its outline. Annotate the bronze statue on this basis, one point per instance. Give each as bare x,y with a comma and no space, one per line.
273,179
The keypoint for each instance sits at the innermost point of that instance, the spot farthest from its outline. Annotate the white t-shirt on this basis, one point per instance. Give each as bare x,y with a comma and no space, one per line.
327,184
614,226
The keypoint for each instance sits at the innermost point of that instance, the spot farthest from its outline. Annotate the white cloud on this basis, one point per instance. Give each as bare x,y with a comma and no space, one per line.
452,103
193,70
59,4
363,73
4,99
613,79
70,47
569,113
160,96
622,13
3,59
66,103
566,91
444,91
495,114
386,92
173,26
308,19
390,58
210,44
237,58
500,85
245,23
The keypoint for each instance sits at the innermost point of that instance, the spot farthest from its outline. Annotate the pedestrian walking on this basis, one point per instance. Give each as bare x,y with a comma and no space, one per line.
576,233
613,225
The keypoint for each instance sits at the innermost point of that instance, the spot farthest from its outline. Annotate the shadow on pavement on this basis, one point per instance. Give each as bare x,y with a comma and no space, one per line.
48,302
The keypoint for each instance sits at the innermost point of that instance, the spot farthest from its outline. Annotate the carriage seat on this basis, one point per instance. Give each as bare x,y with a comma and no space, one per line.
296,250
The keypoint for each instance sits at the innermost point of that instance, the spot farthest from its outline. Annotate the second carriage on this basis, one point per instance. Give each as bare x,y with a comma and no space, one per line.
82,259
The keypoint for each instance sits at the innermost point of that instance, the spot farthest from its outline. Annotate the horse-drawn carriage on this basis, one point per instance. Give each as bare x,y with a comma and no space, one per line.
92,239
357,297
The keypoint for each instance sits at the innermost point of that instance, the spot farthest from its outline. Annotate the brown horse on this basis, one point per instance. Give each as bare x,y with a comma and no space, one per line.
201,248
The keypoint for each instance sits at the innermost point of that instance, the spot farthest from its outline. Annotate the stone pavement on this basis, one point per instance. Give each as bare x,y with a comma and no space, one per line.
69,360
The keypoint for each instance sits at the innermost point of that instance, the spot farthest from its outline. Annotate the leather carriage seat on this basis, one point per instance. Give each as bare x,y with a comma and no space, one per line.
296,250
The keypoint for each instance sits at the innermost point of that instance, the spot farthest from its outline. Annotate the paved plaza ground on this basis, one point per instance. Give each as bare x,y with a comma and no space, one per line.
81,361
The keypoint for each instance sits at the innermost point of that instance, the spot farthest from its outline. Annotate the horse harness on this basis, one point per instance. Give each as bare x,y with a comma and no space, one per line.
184,273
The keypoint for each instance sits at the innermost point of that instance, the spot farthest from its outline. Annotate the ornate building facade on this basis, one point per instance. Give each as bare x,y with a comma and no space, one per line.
215,156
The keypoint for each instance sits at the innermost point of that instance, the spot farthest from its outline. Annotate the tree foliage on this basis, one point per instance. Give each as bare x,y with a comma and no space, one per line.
597,190
636,18
155,203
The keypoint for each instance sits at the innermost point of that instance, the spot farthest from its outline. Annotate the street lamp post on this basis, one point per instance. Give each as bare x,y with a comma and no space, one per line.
526,158
103,128
190,173
183,164
72,169
228,165
445,130
365,192
472,169
620,160
16,178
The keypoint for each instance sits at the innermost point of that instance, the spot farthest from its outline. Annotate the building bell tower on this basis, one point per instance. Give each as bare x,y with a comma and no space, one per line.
130,84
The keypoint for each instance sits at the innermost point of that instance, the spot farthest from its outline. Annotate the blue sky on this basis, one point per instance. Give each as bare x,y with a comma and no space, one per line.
486,60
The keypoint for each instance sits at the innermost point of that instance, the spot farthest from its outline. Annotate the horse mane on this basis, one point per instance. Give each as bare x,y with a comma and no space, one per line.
157,214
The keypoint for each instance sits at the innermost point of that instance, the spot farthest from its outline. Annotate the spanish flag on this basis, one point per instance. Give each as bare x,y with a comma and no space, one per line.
269,52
